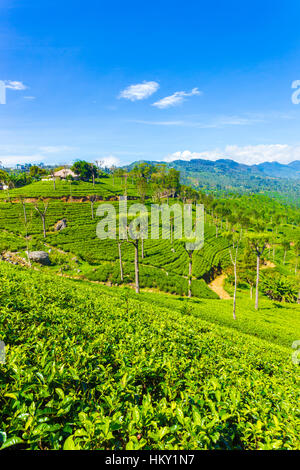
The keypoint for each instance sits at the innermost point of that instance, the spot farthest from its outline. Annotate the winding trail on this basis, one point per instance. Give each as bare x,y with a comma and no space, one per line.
268,264
217,286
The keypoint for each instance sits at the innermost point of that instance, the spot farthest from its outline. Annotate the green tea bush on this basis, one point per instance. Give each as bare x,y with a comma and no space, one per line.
92,367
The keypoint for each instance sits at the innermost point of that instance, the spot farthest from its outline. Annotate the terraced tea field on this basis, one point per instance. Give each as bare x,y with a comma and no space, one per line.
164,266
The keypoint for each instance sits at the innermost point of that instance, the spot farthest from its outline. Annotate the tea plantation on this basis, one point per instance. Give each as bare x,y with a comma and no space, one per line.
93,367
164,266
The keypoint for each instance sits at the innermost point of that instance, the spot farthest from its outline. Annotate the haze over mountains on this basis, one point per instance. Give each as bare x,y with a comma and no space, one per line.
271,169
227,166
227,176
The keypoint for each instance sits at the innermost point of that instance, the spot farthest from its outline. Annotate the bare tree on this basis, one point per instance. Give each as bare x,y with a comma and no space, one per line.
42,213
113,170
92,200
53,178
190,255
94,171
233,251
286,246
136,265
25,223
142,253
120,260
250,281
135,243
297,250
258,243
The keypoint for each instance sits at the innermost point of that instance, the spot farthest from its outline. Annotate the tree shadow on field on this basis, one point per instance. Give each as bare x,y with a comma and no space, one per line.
190,300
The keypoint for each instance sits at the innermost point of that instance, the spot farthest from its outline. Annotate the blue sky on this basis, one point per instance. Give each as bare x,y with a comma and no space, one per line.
213,80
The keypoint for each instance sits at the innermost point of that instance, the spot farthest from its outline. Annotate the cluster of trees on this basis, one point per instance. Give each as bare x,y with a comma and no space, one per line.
14,179
87,171
156,181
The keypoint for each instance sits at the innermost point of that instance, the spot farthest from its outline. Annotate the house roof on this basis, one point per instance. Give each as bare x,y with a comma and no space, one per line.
64,172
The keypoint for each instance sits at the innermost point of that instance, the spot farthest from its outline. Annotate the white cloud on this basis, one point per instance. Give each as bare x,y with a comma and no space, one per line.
107,162
11,160
140,91
175,99
249,154
14,85
218,122
56,149
10,155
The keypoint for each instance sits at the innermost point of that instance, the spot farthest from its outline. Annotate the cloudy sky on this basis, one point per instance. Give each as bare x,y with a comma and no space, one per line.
124,81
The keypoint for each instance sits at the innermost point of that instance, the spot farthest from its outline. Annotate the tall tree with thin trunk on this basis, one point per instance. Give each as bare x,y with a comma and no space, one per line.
136,230
94,172
297,251
25,223
142,252
42,213
120,261
191,243
234,238
92,200
190,270
53,179
190,253
113,171
286,246
136,266
258,243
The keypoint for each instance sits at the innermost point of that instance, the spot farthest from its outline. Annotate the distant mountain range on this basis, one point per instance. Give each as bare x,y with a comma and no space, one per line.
225,175
226,167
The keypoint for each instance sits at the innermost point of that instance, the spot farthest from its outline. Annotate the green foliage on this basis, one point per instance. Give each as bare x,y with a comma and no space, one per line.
84,170
279,288
4,176
90,368
36,172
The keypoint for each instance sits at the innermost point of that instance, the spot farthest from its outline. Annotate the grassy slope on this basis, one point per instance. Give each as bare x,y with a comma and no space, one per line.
104,187
274,322
116,370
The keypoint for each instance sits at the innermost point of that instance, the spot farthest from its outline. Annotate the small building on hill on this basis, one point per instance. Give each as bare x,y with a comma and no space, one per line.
64,173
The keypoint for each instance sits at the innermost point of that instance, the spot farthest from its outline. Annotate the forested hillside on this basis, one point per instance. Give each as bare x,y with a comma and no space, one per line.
226,176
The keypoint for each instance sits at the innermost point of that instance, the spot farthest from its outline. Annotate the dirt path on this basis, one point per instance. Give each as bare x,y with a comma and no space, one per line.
217,286
268,264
